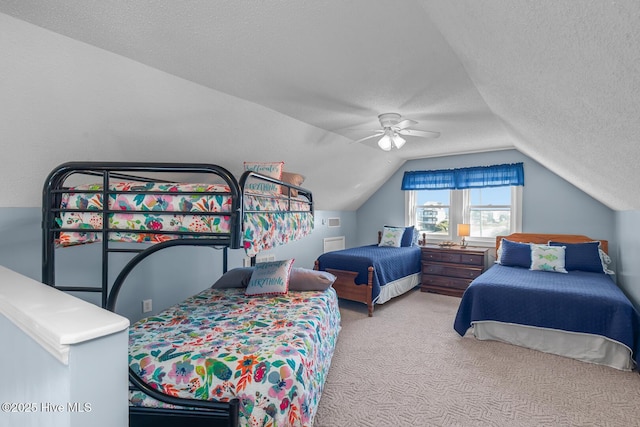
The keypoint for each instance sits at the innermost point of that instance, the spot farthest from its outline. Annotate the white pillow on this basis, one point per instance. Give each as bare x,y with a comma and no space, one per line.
270,278
547,258
606,260
391,236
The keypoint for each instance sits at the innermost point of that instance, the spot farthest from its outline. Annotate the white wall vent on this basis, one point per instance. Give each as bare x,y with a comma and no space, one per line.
265,258
333,222
333,243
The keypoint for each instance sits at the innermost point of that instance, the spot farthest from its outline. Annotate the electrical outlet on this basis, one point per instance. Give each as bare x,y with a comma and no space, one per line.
147,305
246,262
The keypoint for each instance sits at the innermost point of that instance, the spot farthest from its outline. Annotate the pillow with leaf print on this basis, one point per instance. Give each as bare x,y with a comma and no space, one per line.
270,278
409,236
548,258
391,236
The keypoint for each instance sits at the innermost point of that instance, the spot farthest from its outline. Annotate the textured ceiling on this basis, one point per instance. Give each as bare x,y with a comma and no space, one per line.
558,80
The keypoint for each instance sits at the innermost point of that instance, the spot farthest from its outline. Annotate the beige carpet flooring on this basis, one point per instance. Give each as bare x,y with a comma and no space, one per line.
406,366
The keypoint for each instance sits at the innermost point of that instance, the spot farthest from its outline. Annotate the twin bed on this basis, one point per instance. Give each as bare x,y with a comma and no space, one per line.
373,274
221,357
572,308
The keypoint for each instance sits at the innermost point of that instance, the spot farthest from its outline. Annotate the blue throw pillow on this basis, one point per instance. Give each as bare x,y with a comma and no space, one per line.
407,237
515,254
581,256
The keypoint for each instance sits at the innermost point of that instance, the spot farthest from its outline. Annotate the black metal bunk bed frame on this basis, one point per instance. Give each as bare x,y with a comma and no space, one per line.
197,412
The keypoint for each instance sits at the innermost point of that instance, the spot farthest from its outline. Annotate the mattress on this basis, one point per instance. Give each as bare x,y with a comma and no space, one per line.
271,352
578,302
150,212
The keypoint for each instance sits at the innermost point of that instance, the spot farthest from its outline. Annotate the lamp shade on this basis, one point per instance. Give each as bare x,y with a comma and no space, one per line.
464,230
398,141
385,142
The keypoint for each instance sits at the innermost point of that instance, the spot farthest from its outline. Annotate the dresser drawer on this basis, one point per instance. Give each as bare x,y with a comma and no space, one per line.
451,270
434,282
455,258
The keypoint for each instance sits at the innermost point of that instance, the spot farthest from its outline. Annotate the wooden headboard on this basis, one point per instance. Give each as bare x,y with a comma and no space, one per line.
544,238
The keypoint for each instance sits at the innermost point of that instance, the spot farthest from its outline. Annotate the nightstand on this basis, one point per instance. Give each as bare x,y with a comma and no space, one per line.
450,270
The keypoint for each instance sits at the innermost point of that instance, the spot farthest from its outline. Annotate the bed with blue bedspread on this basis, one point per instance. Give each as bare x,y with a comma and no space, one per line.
575,313
372,274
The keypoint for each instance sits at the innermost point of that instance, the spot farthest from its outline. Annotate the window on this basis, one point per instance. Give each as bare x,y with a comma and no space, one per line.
432,212
491,212
489,198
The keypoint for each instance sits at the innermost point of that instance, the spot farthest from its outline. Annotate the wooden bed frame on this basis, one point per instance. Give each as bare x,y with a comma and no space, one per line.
347,288
543,338
541,238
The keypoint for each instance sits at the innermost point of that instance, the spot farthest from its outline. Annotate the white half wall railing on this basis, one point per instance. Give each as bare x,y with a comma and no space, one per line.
65,360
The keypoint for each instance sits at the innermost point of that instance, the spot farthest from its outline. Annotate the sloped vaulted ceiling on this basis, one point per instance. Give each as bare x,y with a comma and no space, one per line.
558,80
564,77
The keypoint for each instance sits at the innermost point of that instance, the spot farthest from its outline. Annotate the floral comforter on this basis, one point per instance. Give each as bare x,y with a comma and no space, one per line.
271,352
269,220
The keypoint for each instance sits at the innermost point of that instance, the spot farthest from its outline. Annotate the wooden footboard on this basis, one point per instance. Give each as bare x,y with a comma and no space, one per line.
346,287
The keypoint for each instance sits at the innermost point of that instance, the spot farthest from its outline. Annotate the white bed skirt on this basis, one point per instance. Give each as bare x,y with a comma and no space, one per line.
398,287
585,347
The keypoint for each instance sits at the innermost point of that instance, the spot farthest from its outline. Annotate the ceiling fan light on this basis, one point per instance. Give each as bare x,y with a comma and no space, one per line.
398,141
385,142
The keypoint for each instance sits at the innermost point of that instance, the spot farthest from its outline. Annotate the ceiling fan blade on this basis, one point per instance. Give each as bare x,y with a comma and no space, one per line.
375,135
419,133
405,123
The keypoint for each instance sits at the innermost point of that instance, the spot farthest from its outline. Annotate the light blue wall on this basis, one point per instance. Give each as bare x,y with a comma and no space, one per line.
550,204
628,254
20,238
175,272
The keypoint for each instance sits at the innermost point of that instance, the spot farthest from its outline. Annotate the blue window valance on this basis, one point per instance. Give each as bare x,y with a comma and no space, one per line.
457,179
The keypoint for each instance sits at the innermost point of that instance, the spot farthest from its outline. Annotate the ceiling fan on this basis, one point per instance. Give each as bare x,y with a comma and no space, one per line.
394,126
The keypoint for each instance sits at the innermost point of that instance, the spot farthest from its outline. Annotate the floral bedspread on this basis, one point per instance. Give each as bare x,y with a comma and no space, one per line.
271,352
270,220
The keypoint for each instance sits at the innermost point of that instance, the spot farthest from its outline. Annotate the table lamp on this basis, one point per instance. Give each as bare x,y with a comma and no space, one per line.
464,230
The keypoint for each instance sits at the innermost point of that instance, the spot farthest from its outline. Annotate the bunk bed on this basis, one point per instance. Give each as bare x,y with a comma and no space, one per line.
221,357
374,274
562,302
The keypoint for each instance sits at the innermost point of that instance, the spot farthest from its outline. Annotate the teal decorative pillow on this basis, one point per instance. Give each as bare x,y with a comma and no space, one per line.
392,236
270,278
548,258
271,169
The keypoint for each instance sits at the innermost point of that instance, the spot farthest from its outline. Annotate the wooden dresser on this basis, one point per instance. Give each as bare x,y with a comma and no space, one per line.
450,270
